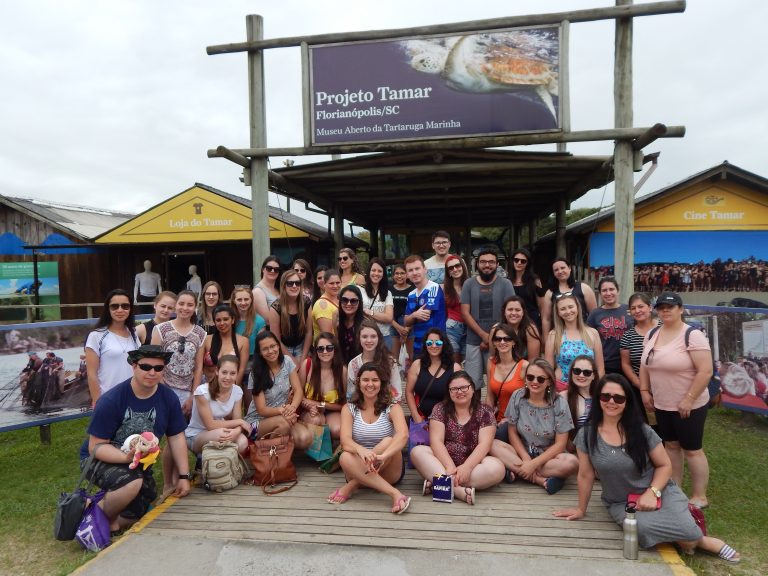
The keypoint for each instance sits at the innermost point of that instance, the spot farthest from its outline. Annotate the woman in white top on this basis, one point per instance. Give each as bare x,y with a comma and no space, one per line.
266,291
217,411
107,347
373,435
374,350
377,299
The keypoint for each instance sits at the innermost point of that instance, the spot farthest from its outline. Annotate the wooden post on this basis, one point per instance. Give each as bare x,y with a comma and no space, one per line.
562,206
531,233
338,232
624,220
468,240
564,96
382,244
258,129
374,239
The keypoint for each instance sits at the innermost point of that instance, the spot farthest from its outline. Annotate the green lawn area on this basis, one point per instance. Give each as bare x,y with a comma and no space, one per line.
34,474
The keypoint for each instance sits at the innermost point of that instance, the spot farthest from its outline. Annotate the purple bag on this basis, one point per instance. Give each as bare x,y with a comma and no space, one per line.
93,532
418,434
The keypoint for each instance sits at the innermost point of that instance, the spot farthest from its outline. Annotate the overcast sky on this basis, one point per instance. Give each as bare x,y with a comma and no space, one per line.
114,104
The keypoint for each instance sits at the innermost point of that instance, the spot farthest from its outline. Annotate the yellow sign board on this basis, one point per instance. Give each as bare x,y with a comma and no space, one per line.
195,215
703,206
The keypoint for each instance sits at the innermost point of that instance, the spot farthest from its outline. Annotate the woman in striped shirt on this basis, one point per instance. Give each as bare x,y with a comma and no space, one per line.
631,345
373,435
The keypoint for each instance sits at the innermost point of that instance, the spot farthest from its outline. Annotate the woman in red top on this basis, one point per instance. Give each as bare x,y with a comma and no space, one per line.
505,373
455,275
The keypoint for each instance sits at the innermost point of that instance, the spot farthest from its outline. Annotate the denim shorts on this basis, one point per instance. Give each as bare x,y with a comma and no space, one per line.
457,335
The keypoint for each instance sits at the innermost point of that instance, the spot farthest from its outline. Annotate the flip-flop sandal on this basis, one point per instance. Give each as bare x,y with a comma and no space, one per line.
399,507
509,477
699,505
729,554
469,494
426,489
337,497
553,485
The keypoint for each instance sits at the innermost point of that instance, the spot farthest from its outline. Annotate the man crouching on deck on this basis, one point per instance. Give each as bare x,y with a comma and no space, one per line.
132,407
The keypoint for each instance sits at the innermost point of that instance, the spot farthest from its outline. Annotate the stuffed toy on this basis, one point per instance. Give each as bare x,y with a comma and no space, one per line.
146,446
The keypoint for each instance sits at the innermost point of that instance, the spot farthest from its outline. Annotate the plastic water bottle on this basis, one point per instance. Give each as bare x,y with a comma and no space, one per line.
630,533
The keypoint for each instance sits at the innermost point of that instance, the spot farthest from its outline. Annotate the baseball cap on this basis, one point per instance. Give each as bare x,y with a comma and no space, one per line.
668,299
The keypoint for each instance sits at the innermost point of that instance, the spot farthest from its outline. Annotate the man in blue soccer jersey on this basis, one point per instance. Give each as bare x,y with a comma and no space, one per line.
426,303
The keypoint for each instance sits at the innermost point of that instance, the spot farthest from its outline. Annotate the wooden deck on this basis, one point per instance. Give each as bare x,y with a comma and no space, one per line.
509,519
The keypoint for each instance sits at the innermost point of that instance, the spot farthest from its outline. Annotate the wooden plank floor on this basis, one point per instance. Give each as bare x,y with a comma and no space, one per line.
509,519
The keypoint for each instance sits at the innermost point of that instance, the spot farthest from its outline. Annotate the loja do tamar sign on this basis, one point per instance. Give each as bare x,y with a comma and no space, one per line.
486,83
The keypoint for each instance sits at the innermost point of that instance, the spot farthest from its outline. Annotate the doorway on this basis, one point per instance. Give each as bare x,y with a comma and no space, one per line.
177,268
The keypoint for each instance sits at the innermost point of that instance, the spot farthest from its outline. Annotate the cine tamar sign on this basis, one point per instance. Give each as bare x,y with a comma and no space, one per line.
479,84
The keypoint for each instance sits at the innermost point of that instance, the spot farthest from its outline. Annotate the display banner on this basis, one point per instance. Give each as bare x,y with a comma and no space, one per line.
487,83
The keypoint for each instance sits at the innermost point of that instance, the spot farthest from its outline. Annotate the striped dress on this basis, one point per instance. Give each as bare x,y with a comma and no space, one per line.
369,435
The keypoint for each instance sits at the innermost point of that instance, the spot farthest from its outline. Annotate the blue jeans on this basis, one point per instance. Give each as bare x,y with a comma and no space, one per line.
457,335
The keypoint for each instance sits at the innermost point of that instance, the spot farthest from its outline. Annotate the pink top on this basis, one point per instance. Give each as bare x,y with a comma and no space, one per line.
671,369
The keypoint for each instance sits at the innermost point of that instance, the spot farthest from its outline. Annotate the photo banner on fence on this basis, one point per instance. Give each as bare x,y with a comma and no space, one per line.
487,83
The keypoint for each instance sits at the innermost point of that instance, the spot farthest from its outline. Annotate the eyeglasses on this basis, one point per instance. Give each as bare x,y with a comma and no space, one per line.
539,379
123,305
460,389
440,243
300,270
343,258
272,268
519,260
326,348
182,344
484,262
434,342
502,339
617,398
579,371
453,267
215,294
292,283
155,367
349,301
563,295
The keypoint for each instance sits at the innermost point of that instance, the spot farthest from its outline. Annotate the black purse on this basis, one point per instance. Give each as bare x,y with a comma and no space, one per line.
71,505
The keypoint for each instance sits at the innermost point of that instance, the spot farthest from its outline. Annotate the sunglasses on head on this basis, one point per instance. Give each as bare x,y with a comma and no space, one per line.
272,268
520,260
349,301
502,339
326,348
155,367
434,342
539,379
617,398
579,371
563,295
117,306
292,283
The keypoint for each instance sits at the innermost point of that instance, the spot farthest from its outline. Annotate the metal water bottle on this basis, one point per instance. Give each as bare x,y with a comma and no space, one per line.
630,533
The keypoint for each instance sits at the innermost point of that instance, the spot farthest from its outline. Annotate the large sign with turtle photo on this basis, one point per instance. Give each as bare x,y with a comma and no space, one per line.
479,84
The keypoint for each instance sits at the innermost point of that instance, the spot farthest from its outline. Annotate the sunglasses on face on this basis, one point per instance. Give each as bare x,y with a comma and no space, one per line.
453,267
272,268
123,305
299,270
326,348
539,379
520,260
434,342
182,344
292,283
617,398
343,258
462,389
579,371
349,301
502,339
155,367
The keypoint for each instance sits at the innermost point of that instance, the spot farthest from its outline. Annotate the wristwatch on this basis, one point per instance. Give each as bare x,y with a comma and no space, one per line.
656,491
184,477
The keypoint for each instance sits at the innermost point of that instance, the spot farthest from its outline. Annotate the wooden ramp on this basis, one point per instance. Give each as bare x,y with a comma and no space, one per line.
509,519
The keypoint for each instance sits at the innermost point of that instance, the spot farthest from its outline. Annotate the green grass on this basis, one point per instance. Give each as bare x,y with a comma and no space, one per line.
34,474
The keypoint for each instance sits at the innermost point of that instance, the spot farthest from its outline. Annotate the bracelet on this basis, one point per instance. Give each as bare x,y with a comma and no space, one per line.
645,389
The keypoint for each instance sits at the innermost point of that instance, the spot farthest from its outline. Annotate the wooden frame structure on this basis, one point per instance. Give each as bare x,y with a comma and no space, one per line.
397,161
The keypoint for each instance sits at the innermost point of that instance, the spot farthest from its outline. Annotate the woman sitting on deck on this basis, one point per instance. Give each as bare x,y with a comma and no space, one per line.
373,435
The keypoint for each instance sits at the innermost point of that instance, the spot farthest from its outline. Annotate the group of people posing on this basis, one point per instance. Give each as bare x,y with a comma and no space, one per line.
572,385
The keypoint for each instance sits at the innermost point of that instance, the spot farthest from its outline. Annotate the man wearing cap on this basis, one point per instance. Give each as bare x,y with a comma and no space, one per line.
134,406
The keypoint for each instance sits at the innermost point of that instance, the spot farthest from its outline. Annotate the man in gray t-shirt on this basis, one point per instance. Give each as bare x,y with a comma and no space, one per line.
481,299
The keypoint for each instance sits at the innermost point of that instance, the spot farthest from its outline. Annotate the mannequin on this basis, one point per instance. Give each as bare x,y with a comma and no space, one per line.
194,283
147,284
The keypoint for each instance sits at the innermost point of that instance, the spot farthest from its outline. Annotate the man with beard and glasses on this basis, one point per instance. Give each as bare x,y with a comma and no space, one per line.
481,300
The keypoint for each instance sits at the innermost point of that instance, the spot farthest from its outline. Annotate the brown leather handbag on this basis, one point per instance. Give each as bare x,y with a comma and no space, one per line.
271,458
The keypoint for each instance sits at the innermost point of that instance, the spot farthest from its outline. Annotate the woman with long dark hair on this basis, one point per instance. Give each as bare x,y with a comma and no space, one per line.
563,282
428,376
400,289
324,376
224,342
290,318
349,266
350,318
514,313
527,284
319,282
377,300
630,459
303,269
373,349
581,385
456,274
267,291
505,373
107,346
211,296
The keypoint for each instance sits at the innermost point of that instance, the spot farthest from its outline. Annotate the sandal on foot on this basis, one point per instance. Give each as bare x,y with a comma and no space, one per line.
401,505
469,494
553,485
698,504
729,554
509,477
426,489
337,497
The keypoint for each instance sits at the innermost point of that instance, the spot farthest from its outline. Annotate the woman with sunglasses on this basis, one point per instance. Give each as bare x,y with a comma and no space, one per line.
455,275
290,318
324,376
563,282
350,318
675,370
373,435
630,459
505,373
571,338
349,266
631,346
325,311
107,346
266,291
527,285
611,319
302,268
428,376
461,430
538,426
211,296
164,305
224,342
581,385
319,282
400,289
377,299
374,350
514,313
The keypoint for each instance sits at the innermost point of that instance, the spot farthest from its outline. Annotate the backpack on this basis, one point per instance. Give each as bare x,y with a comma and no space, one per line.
223,466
